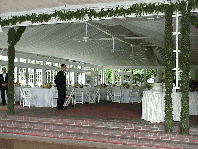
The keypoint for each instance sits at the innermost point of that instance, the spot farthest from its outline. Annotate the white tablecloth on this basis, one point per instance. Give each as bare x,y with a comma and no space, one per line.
17,93
42,97
125,95
153,105
103,94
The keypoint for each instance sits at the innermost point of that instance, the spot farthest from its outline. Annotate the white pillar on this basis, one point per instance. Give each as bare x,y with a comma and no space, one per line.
122,76
158,75
43,75
113,78
17,74
51,76
144,76
27,76
92,79
34,76
131,76
75,76
102,76
177,33
69,78
97,79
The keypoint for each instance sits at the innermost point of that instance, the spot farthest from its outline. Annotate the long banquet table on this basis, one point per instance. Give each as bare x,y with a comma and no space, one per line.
153,105
42,97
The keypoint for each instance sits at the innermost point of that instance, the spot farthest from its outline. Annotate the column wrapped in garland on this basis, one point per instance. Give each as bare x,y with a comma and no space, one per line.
185,67
168,41
13,38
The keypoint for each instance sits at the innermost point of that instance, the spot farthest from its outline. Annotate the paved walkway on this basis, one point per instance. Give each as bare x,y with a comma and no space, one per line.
110,125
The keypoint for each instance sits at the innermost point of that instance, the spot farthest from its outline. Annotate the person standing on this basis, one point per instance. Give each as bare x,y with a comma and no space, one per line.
4,85
61,86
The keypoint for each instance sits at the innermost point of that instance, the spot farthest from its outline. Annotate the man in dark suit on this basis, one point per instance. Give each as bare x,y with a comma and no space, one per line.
4,85
61,86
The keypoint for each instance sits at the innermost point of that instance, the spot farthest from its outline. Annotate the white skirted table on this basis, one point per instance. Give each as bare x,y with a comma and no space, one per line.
103,93
42,97
153,105
126,95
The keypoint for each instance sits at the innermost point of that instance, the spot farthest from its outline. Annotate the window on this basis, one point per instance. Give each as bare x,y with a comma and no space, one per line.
31,77
78,67
31,61
39,62
48,63
86,68
55,64
16,59
72,66
22,60
22,76
38,77
3,58
48,76
127,70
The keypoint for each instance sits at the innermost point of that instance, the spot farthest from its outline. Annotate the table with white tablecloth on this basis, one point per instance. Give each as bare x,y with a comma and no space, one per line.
125,95
103,93
17,93
153,105
41,97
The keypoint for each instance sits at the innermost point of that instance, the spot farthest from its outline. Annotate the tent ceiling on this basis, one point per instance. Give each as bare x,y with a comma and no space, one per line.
58,39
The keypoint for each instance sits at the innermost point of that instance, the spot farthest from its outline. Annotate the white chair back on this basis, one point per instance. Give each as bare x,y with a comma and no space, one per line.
27,92
26,96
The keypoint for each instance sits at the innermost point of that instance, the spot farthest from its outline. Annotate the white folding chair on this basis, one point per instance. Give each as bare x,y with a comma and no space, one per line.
26,97
21,98
54,96
134,95
117,94
69,98
109,94
78,96
94,96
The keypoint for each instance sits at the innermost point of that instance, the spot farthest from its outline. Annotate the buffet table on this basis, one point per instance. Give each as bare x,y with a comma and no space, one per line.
153,105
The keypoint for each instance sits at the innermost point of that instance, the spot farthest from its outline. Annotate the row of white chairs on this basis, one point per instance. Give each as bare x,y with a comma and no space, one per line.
115,95
74,96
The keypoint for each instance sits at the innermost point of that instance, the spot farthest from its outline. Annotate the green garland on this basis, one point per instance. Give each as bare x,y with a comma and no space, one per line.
13,38
138,9
185,67
168,40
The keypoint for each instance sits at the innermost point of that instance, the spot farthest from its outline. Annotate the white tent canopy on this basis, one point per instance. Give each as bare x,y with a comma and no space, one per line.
60,40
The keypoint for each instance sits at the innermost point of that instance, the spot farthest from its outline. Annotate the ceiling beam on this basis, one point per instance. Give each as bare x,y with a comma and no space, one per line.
43,58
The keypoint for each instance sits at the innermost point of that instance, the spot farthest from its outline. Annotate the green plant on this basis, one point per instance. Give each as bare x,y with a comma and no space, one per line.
185,67
13,37
64,15
168,47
